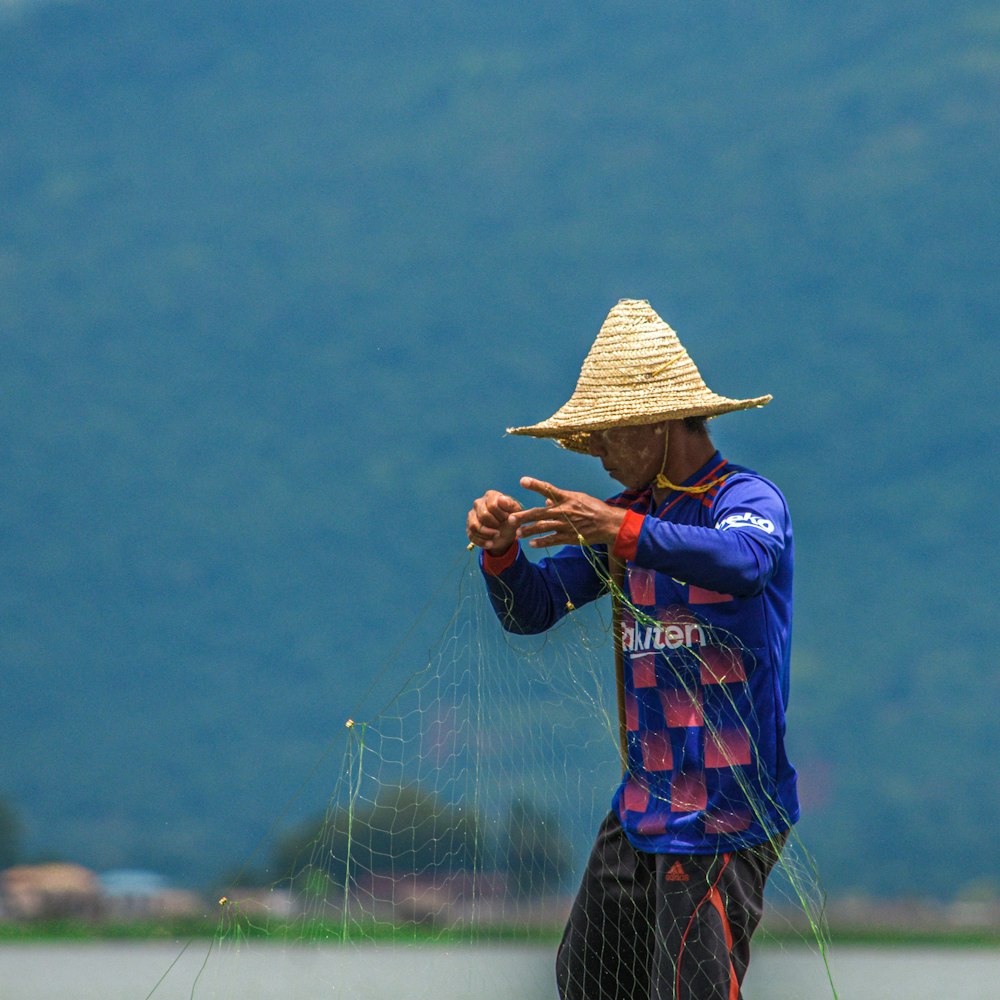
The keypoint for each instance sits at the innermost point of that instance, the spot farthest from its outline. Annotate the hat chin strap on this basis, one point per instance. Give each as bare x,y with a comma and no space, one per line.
662,483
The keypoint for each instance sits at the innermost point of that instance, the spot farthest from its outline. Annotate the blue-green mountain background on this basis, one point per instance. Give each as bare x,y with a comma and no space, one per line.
274,278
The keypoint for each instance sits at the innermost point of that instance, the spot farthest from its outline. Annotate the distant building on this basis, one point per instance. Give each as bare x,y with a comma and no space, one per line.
50,892
135,894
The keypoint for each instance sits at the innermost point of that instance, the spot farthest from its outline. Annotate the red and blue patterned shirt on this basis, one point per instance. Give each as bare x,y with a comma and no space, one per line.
706,637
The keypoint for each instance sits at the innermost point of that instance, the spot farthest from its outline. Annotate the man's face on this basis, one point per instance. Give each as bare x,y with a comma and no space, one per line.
632,455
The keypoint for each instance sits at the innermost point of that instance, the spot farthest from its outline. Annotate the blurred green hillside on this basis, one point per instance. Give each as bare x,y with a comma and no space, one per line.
274,278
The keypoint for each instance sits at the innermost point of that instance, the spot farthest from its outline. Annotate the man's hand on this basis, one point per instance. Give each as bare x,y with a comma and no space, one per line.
489,522
567,518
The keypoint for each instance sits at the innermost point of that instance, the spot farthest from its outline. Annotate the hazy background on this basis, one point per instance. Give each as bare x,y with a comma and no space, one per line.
274,278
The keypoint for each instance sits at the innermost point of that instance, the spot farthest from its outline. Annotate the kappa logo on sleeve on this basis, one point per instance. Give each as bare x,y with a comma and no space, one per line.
746,520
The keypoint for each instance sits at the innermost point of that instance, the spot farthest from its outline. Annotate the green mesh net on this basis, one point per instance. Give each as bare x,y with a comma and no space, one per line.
458,817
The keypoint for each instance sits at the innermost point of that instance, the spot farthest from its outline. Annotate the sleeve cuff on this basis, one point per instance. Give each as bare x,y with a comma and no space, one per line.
627,539
495,565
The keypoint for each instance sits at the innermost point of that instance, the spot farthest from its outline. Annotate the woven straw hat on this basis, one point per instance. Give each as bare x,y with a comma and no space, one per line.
637,372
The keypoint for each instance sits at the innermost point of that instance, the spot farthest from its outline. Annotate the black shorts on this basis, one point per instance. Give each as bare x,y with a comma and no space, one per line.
662,926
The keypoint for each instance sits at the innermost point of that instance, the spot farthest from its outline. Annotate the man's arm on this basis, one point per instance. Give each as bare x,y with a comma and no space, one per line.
531,597
737,556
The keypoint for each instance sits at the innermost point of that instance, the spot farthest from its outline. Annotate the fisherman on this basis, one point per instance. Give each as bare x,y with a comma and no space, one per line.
697,553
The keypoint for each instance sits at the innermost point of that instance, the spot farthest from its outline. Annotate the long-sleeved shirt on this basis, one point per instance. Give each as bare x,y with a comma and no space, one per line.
706,636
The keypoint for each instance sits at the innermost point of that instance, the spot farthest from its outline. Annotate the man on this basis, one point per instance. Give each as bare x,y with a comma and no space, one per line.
674,886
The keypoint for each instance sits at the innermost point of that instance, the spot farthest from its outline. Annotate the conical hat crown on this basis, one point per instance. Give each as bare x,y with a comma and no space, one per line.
637,372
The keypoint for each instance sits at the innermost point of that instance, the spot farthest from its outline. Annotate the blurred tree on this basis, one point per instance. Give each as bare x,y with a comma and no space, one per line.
317,844
413,831
404,831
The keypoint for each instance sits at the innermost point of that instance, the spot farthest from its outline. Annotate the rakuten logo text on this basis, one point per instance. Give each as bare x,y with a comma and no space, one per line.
640,638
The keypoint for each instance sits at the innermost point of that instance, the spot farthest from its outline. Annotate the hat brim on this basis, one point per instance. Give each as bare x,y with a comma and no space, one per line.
572,434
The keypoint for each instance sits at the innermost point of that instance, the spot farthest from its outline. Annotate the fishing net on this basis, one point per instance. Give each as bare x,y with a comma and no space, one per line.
459,813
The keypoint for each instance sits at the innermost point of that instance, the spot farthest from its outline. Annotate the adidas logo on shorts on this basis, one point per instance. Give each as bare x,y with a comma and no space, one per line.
676,873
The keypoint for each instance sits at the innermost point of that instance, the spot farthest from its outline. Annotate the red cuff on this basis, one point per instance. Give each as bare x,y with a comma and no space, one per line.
627,539
495,565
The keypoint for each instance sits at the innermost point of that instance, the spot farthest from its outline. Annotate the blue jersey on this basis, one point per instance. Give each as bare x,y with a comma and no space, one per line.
706,636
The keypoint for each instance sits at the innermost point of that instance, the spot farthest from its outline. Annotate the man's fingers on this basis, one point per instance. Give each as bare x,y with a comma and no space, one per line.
537,528
489,515
560,527
476,530
549,541
501,507
546,489
532,514
560,535
481,519
495,508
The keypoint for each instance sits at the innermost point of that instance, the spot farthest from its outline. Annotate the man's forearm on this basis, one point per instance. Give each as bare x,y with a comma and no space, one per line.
529,598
